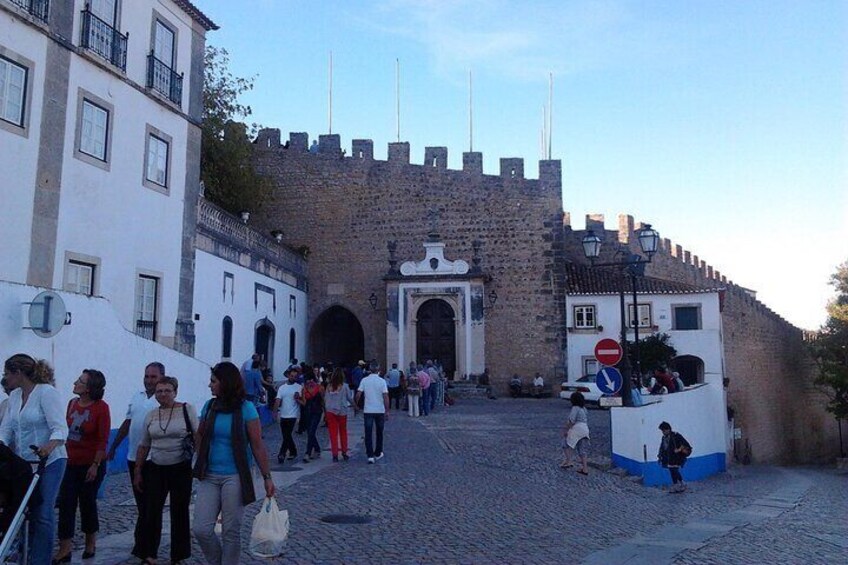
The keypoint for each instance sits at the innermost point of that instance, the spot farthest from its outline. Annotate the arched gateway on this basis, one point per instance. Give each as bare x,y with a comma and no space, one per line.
337,336
436,334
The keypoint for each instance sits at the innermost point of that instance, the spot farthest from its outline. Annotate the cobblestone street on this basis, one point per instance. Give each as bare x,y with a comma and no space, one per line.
479,482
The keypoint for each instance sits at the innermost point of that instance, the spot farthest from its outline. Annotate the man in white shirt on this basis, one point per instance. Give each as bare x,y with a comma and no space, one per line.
376,410
133,426
287,408
538,384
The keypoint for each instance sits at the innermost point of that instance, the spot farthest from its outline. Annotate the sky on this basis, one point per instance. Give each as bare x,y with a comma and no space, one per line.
724,124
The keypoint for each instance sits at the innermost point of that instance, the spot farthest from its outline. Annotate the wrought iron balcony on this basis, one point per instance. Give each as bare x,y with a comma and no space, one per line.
146,329
164,79
101,38
37,8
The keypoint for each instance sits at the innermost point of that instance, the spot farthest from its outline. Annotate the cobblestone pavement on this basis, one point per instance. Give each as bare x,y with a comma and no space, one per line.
479,482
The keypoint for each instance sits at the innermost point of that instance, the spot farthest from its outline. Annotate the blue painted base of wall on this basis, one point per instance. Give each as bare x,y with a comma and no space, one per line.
653,474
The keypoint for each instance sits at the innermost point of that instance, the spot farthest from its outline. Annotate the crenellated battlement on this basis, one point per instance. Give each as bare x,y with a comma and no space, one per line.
399,154
672,261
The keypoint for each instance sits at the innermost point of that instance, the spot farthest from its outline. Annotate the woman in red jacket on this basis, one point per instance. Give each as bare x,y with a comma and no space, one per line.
88,435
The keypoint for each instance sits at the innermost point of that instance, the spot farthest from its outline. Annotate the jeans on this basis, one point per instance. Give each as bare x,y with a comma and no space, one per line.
676,477
219,494
370,420
337,426
434,392
395,394
312,446
75,490
158,481
425,400
413,405
287,428
42,522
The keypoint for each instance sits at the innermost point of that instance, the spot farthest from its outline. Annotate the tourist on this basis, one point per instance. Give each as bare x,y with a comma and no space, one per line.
253,388
515,386
337,399
435,383
35,417
268,385
140,404
287,409
229,430
168,440
376,410
313,407
393,382
413,393
4,404
674,449
538,385
89,425
424,381
576,433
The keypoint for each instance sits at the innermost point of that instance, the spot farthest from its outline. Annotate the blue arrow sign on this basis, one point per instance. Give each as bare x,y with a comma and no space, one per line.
609,380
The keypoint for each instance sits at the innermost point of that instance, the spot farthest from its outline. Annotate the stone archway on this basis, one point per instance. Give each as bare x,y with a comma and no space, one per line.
691,369
337,336
435,335
263,340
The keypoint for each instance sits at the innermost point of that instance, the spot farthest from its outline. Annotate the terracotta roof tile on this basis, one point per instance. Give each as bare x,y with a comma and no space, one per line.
196,14
582,279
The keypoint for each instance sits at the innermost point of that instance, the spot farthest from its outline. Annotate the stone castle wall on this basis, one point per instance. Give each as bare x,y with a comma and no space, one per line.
770,373
346,208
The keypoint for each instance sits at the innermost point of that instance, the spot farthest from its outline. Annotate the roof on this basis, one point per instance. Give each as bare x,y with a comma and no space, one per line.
581,279
196,14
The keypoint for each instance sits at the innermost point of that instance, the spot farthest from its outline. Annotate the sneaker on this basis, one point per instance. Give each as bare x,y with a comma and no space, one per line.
379,456
281,458
345,456
316,455
370,460
335,459
306,459
292,457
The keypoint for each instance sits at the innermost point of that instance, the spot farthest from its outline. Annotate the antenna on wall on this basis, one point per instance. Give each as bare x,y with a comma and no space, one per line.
397,96
550,111
470,113
330,94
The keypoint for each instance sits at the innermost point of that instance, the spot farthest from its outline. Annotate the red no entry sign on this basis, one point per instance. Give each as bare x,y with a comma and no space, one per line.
608,352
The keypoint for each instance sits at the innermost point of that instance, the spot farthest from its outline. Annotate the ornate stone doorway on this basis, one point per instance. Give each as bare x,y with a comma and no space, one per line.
264,341
436,334
337,336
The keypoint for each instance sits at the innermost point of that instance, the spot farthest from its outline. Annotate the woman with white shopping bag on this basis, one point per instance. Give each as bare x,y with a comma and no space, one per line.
228,425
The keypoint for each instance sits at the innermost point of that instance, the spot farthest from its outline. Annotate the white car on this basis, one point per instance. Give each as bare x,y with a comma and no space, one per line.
584,385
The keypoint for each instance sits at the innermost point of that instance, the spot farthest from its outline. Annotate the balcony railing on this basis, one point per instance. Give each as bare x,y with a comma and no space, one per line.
146,329
36,8
101,38
162,78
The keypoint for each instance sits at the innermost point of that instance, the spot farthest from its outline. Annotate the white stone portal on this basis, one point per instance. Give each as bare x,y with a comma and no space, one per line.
434,263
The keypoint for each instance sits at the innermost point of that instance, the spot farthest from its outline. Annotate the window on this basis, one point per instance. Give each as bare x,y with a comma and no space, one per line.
103,9
79,277
292,306
95,123
161,73
227,338
13,83
644,316
157,160
229,286
146,296
292,339
687,317
590,367
163,43
584,317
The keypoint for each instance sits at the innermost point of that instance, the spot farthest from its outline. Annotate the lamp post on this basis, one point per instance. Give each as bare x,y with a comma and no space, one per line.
634,266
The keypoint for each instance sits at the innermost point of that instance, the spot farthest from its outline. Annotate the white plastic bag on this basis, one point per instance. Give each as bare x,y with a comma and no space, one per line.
270,530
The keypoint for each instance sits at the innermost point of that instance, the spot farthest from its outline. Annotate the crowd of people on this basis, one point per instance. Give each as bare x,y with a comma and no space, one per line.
170,443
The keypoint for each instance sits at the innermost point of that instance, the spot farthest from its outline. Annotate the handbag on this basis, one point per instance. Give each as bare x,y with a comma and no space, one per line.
270,530
188,440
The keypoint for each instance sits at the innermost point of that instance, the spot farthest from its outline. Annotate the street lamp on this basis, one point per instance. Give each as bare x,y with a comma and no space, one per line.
633,265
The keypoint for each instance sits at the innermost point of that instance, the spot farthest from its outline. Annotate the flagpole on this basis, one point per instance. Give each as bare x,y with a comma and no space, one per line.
397,96
470,112
330,94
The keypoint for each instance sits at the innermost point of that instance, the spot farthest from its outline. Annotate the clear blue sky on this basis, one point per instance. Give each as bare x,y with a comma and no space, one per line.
723,123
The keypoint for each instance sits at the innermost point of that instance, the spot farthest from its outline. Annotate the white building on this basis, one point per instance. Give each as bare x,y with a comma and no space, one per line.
100,109
692,318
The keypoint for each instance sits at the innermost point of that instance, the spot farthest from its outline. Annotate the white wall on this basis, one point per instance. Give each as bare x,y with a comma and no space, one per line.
705,343
211,304
19,154
95,339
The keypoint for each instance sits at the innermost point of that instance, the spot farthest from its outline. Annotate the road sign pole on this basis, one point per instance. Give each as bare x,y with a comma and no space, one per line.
624,364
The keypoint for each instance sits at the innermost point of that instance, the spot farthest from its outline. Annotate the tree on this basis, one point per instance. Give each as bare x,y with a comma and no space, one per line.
226,155
830,350
655,352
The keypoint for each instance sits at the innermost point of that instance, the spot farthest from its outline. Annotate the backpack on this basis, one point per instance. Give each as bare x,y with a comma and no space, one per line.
413,385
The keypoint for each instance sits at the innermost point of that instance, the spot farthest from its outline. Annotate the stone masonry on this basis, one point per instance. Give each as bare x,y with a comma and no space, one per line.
344,209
